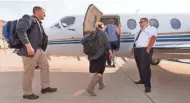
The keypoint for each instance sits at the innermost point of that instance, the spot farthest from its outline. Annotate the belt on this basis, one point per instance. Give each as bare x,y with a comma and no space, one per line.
141,48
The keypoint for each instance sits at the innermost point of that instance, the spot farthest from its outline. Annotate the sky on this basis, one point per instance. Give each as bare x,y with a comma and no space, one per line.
56,9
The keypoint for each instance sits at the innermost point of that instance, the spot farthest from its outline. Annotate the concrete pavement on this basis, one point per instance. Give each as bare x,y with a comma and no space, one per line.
170,82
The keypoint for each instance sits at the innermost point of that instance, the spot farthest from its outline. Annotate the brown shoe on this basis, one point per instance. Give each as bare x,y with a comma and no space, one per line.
101,83
31,96
92,84
50,90
92,93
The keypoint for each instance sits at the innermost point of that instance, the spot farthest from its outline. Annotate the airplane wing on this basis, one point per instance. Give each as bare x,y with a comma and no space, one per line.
180,51
173,46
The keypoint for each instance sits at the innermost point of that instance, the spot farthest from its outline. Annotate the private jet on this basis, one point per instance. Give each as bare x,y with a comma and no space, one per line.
173,39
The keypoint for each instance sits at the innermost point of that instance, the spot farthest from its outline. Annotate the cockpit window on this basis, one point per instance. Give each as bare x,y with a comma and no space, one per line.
68,20
57,25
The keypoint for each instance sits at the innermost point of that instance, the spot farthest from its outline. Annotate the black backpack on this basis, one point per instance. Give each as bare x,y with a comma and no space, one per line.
90,47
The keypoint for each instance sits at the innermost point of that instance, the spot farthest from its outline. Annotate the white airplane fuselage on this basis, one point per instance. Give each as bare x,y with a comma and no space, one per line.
173,39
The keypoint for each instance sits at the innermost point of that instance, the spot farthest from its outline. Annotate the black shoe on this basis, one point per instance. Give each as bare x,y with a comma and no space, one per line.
31,96
147,89
113,65
139,82
50,90
108,65
37,67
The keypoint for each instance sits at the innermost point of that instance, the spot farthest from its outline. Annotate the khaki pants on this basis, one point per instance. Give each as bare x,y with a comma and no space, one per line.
29,63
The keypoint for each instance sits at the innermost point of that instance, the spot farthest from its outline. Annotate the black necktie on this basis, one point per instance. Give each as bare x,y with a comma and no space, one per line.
134,45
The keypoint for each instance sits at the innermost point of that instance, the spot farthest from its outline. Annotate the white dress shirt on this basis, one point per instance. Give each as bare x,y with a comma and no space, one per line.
145,36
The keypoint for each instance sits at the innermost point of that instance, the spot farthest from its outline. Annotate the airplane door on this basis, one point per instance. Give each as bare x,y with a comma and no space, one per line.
67,24
93,15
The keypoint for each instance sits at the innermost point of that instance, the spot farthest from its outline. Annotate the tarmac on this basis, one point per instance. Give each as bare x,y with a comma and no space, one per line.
170,82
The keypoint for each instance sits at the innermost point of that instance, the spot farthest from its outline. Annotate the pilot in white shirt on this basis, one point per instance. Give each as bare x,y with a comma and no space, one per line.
145,36
143,51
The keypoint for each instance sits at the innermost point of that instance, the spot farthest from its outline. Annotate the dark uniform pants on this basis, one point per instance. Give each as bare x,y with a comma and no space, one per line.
143,61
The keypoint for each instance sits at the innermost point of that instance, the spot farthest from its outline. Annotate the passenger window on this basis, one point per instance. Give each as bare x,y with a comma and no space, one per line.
154,22
68,20
132,24
175,23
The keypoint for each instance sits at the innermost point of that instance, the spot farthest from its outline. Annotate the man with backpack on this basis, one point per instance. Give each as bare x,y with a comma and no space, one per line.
96,45
31,34
113,32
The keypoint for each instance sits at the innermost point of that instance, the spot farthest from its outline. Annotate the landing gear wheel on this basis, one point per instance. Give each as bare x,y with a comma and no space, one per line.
155,61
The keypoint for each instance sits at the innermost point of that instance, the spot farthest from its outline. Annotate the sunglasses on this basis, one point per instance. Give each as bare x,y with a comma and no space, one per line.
141,22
